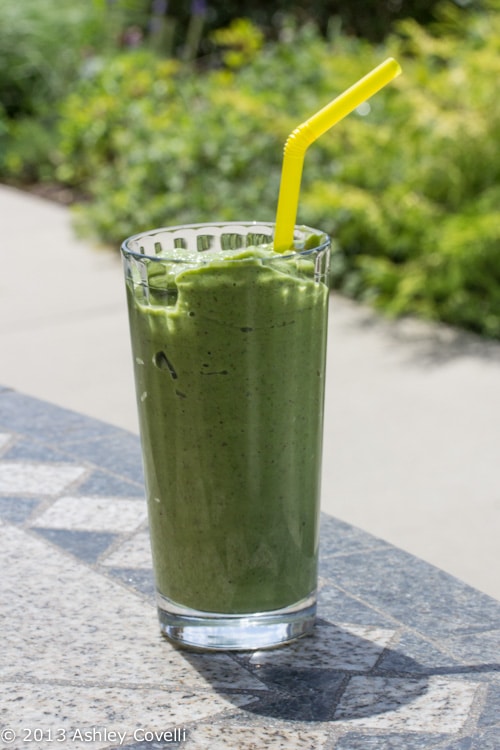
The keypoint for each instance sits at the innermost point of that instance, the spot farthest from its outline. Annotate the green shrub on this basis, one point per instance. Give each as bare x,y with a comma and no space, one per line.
415,202
407,185
153,143
45,47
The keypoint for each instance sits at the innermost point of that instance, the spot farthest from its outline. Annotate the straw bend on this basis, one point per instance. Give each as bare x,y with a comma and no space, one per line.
299,140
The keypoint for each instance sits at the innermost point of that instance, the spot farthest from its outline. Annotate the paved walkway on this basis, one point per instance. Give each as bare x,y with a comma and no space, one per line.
412,414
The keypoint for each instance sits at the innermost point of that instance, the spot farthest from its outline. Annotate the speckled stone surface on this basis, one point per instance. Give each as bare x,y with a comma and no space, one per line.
403,656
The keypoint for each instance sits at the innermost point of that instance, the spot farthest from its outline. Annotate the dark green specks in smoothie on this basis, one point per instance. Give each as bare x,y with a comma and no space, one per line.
229,358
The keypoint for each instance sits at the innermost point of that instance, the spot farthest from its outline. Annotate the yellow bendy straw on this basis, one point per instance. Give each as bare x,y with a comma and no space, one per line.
310,130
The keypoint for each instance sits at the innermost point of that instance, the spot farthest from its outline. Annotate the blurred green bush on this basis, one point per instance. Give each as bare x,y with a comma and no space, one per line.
408,185
45,47
150,142
415,198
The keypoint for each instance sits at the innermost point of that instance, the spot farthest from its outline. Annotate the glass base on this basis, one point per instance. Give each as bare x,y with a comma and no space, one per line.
212,631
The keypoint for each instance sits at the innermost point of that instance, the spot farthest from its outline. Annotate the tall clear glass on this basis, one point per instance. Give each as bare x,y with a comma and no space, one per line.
229,348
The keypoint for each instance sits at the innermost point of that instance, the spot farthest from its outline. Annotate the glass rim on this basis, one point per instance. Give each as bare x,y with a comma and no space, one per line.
259,225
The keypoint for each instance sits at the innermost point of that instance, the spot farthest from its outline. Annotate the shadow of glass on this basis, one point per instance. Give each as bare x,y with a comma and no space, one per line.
306,680
335,674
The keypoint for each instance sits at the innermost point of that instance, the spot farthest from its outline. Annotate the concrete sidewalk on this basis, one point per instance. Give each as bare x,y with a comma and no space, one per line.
412,413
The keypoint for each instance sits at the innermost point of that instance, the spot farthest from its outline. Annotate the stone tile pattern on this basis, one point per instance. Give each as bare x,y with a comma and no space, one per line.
402,656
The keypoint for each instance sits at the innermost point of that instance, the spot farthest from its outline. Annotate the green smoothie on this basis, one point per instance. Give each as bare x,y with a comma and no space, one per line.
229,365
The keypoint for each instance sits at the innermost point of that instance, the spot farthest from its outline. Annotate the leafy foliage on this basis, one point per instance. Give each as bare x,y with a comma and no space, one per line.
408,185
45,45
415,200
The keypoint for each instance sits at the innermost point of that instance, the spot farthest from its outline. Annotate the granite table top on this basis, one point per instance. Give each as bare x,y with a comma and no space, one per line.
403,656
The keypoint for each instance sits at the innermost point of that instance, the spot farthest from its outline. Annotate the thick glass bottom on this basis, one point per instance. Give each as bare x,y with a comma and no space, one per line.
213,631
